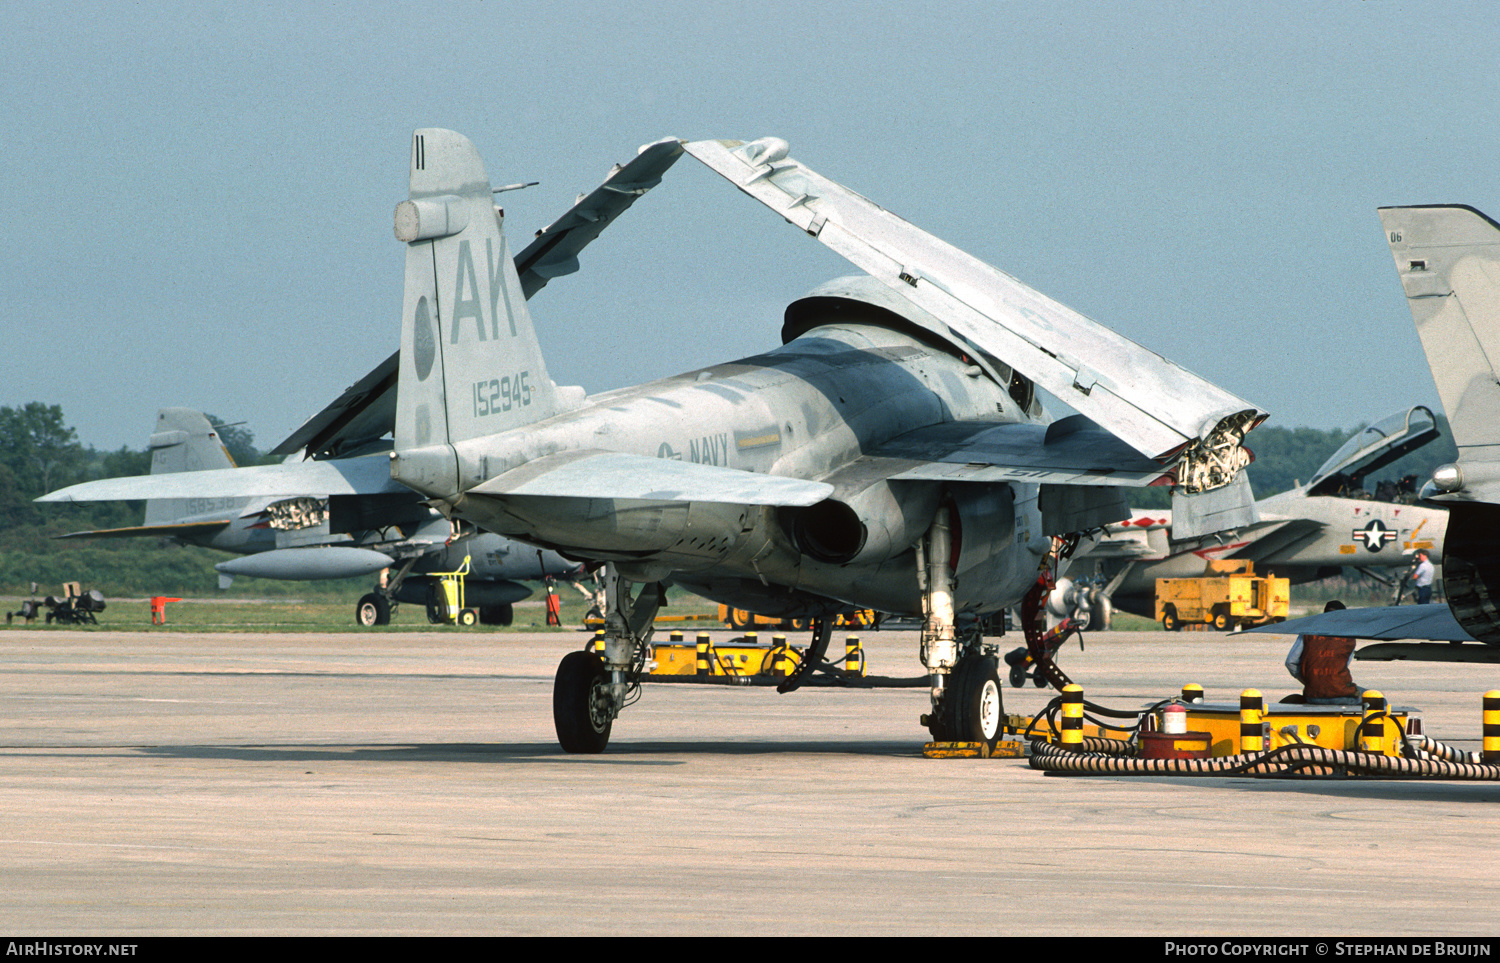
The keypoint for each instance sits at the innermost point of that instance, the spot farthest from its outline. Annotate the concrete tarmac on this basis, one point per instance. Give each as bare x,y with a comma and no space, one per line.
411,784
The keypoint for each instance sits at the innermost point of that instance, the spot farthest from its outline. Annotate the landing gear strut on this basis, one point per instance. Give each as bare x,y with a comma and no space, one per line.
589,691
375,608
967,704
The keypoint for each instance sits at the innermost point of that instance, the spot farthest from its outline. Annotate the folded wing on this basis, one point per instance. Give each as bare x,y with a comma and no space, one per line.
1161,410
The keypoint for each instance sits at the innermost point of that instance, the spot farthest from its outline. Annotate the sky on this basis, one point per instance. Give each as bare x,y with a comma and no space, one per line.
200,195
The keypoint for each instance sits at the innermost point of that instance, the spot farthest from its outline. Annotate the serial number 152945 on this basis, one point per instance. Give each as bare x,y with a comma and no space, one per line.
502,394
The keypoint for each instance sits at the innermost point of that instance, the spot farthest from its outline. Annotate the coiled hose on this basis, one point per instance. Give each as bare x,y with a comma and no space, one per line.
1278,762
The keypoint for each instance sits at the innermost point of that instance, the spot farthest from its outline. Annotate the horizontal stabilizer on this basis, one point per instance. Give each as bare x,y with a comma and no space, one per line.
1390,623
349,476
1073,451
599,474
1152,404
152,531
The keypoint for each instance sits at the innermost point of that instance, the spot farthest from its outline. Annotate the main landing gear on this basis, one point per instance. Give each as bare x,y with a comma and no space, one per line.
589,691
375,608
967,704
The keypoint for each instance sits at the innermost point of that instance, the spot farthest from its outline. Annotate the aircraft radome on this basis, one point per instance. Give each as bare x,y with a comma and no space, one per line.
890,454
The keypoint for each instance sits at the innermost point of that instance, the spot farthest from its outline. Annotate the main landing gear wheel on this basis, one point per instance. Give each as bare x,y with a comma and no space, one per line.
976,699
973,707
581,709
372,610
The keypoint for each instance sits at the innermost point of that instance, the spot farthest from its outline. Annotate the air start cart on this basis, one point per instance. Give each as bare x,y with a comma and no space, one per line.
446,606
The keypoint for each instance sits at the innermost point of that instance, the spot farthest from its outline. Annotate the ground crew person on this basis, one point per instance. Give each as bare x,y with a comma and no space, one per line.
1321,664
1421,577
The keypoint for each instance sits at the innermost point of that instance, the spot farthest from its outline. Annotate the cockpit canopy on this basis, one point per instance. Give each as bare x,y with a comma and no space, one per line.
1372,449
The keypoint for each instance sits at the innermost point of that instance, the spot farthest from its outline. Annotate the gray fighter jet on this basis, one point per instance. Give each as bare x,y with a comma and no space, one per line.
307,536
1309,532
889,455
1448,259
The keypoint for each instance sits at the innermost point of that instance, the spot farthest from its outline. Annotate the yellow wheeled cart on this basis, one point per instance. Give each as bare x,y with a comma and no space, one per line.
1229,594
449,608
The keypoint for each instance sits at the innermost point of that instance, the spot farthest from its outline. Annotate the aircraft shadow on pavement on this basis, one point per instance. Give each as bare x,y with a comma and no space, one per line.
621,753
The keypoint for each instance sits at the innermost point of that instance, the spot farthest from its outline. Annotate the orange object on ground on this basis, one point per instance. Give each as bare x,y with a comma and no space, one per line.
554,607
159,609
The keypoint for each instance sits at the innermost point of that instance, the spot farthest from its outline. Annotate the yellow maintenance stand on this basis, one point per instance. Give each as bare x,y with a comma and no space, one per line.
1228,594
450,608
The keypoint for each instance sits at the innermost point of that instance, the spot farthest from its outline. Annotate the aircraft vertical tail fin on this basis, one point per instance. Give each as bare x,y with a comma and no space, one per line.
470,362
184,440
1448,258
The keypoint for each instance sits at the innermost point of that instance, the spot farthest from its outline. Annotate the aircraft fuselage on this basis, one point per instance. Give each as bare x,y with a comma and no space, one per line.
809,409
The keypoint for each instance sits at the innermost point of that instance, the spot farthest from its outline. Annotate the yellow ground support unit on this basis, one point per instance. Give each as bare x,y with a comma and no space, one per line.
1286,724
451,609
744,659
743,619
1228,594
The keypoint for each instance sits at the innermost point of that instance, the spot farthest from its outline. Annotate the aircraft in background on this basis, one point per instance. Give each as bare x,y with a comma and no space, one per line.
308,536
1448,259
335,493
1307,533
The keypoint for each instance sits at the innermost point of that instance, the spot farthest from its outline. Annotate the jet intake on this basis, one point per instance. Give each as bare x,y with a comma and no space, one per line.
1471,569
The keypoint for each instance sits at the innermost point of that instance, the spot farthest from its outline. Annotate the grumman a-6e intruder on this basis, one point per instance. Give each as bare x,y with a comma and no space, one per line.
889,455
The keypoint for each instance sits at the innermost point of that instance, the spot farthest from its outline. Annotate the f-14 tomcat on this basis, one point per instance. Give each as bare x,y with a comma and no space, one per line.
1303,534
1448,259
890,454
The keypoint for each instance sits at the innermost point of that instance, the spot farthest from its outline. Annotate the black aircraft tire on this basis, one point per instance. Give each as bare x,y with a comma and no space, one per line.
371,610
946,727
979,701
579,703
496,614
